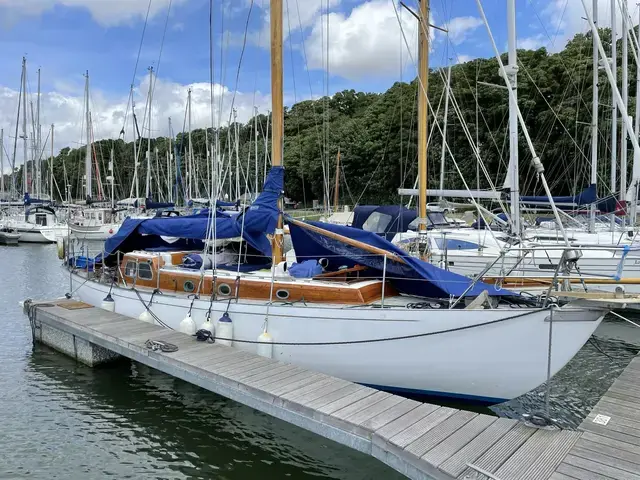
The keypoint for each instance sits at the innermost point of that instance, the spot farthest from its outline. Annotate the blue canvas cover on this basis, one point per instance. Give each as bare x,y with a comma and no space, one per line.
29,201
253,224
306,269
415,277
149,204
586,197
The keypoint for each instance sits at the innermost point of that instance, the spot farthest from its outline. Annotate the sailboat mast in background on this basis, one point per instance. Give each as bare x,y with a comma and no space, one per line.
87,157
25,180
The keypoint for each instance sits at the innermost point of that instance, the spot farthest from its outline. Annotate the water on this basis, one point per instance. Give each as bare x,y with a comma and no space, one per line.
62,420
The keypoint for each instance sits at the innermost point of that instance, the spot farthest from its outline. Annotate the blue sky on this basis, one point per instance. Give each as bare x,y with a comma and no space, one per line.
66,37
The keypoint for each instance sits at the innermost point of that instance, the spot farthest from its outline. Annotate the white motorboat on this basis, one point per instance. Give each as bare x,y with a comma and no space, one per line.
39,225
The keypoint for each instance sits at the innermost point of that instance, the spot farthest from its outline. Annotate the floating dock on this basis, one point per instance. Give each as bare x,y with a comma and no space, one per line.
419,440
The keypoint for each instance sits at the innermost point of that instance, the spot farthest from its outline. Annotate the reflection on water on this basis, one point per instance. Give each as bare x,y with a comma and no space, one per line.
63,420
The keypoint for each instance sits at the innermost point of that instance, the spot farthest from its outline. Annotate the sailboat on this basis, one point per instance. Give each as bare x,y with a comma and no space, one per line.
38,223
352,305
93,222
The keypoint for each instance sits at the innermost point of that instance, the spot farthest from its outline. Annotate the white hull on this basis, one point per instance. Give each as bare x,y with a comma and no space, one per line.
35,234
482,361
94,232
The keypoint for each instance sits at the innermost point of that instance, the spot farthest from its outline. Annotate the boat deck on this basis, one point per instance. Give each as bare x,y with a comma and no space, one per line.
419,440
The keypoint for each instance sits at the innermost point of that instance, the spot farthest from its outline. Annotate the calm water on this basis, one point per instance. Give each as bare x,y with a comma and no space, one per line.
59,419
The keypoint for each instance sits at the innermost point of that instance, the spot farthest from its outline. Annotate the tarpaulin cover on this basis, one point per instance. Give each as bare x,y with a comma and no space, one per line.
253,224
306,269
586,197
415,277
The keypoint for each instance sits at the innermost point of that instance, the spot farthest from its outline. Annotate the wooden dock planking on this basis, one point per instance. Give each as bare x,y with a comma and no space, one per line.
421,440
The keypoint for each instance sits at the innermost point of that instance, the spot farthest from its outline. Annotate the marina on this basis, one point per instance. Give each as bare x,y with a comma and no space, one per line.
276,285
419,440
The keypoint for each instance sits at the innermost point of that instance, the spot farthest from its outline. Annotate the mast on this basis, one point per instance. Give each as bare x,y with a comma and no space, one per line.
444,127
336,190
111,176
38,156
594,121
25,184
148,179
512,74
255,137
169,155
236,148
625,98
277,114
636,129
614,108
423,113
87,157
51,166
190,159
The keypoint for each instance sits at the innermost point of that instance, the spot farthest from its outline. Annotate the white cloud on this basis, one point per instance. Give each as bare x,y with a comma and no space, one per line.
568,18
462,58
296,15
105,12
65,110
366,42
460,28
533,43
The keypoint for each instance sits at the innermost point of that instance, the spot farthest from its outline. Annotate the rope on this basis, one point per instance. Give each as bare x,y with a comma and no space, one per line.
155,317
159,346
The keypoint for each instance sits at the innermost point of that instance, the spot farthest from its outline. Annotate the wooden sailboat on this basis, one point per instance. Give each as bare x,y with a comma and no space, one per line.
349,322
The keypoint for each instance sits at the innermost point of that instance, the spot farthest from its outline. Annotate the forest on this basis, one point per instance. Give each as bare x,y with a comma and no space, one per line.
376,135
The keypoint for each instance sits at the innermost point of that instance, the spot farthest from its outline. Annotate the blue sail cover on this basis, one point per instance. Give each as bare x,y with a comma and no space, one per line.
586,197
149,204
30,201
260,219
415,277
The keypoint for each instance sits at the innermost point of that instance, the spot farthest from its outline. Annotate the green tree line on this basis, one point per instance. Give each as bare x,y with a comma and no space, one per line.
376,134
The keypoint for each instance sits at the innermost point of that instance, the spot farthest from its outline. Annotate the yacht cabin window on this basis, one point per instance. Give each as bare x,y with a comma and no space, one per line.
453,244
377,222
130,269
41,219
144,271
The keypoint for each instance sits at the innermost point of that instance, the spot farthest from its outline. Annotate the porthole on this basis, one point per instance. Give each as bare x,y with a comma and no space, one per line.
282,294
224,289
188,286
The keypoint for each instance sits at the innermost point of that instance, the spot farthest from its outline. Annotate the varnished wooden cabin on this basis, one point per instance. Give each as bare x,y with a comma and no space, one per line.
165,272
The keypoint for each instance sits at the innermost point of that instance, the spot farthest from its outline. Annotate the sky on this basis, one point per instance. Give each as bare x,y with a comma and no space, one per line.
329,46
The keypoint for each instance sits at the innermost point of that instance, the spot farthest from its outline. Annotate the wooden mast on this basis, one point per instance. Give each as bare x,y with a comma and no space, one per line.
336,190
277,114
423,113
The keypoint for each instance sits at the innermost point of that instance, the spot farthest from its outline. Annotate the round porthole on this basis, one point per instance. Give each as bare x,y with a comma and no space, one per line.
224,289
282,294
188,286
